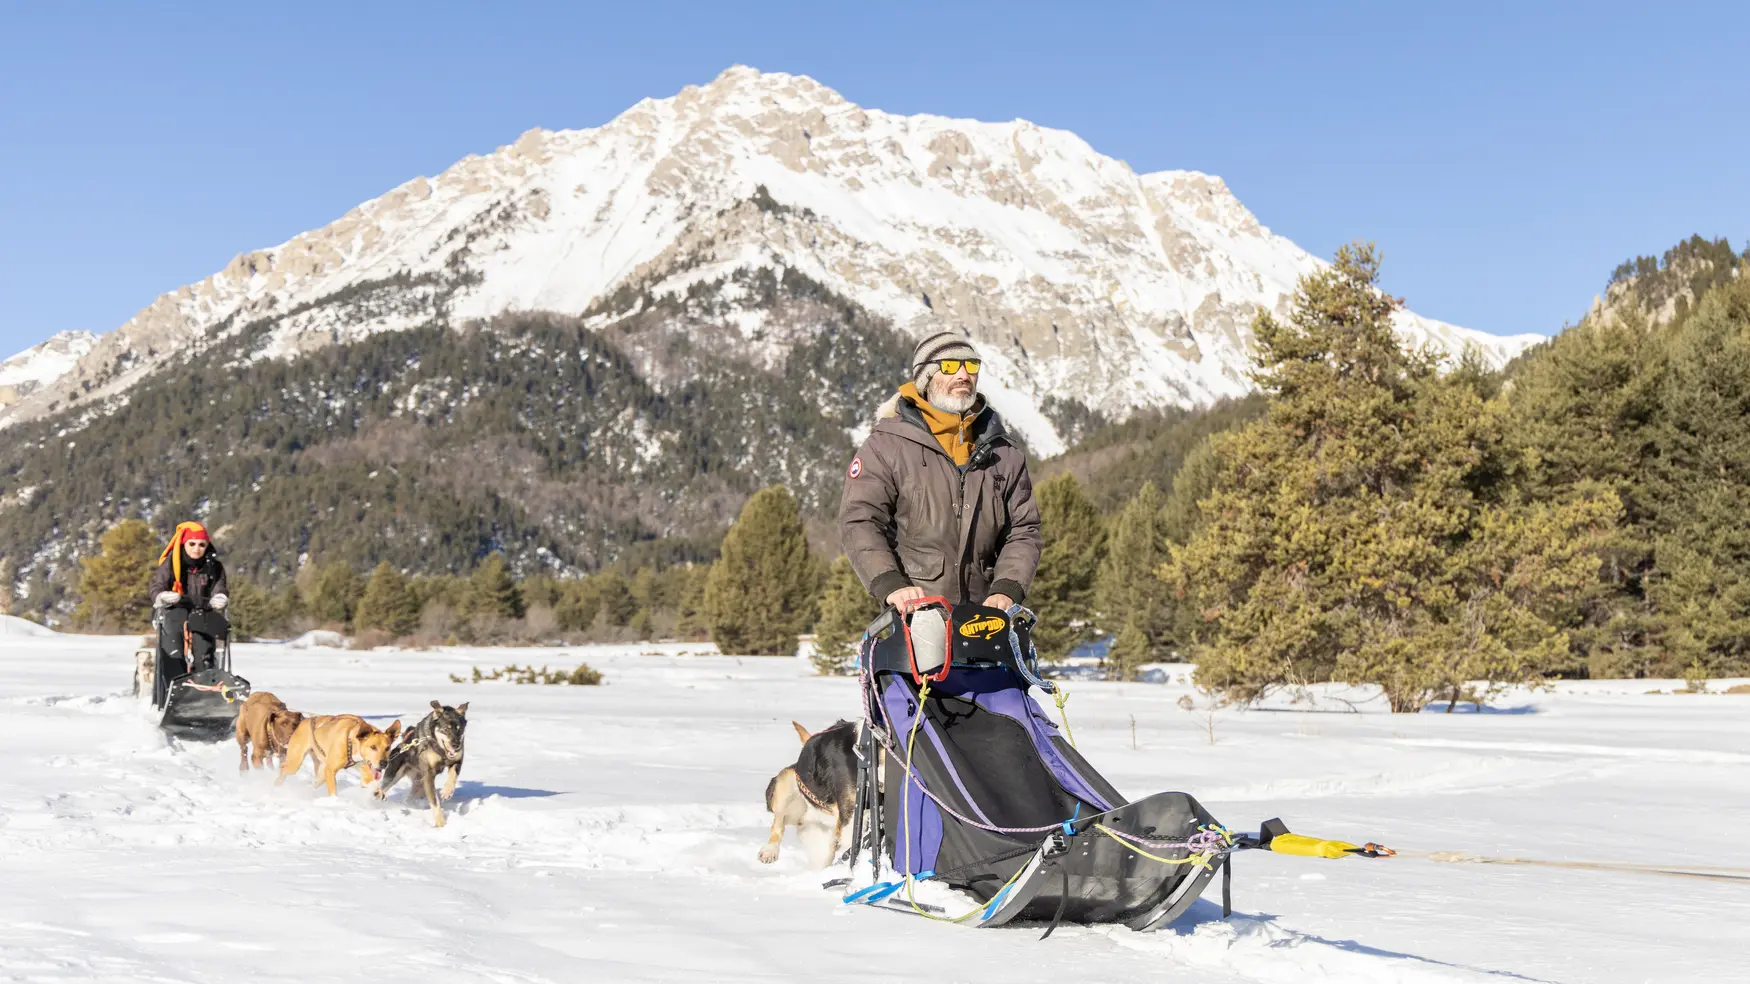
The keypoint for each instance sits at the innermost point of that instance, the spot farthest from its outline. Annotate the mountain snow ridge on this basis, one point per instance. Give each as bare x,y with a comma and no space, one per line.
42,364
1079,279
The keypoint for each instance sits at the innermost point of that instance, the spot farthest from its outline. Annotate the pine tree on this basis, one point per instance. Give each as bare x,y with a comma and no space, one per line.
618,605
643,625
651,590
761,591
250,611
1364,530
1192,483
846,609
492,591
334,593
1132,600
7,588
1062,593
287,608
1131,647
1583,410
1697,482
113,584
691,621
387,605
540,589
579,604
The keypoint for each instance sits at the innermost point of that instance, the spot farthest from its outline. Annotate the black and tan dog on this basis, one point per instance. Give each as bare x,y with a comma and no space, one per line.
428,748
817,795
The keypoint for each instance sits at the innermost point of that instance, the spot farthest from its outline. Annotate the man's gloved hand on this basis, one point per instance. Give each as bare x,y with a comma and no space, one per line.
220,601
166,598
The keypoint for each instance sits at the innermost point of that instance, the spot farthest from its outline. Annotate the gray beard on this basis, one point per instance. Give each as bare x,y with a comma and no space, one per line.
949,403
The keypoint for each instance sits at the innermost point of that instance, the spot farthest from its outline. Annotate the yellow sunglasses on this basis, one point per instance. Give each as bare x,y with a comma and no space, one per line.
951,366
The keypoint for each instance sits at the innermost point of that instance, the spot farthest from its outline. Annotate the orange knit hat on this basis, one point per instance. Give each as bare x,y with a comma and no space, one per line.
185,533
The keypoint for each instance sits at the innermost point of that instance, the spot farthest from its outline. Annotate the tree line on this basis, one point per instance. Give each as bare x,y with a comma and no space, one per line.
1439,530
1377,515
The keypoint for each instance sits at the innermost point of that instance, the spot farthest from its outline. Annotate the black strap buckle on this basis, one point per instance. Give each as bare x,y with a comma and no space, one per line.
1056,845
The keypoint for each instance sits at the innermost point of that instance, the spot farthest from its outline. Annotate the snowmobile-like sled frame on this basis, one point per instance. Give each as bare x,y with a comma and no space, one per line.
201,705
982,793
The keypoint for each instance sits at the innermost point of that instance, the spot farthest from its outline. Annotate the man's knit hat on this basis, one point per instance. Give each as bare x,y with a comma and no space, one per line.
941,345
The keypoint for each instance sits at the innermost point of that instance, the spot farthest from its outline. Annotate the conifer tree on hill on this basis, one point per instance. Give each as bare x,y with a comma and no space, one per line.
618,604
1583,410
1132,599
579,603
387,604
1698,480
112,585
1653,413
846,609
251,612
761,591
492,591
1365,531
334,593
690,617
1062,593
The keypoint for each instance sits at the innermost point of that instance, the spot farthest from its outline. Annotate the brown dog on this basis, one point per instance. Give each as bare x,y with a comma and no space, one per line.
337,741
264,728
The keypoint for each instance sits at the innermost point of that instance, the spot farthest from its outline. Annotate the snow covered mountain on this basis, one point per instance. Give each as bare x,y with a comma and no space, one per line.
41,365
1084,283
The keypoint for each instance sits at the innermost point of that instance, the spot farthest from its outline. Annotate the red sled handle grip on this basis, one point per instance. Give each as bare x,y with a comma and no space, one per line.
948,636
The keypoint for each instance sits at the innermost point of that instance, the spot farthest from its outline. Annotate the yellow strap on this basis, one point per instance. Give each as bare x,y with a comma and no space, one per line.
1303,846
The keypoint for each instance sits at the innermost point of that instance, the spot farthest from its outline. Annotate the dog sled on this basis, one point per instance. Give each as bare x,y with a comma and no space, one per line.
982,793
200,704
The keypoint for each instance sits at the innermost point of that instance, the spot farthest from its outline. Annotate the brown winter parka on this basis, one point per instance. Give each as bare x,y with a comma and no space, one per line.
910,516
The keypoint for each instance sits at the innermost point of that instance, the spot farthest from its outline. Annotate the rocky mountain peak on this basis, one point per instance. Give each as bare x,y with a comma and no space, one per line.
41,365
1085,284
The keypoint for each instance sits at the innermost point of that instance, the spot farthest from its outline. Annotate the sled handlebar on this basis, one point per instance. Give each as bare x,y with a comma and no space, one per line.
933,601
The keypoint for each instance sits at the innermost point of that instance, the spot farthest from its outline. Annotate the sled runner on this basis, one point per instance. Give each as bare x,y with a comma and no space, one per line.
200,705
981,791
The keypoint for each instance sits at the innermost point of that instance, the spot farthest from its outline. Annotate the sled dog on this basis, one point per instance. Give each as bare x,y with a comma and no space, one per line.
145,667
432,746
337,741
264,728
817,795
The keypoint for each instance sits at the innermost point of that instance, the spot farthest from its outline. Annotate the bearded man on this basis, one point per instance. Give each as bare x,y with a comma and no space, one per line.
937,501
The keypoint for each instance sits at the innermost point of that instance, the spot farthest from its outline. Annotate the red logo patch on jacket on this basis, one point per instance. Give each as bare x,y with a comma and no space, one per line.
856,466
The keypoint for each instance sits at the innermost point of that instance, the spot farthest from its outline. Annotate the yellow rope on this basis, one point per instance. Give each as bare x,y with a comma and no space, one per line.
1200,860
1061,696
910,742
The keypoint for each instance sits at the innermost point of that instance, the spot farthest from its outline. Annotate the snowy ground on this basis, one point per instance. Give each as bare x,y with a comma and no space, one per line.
610,833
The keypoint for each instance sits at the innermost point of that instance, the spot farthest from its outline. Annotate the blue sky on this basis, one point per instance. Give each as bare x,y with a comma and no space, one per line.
1505,157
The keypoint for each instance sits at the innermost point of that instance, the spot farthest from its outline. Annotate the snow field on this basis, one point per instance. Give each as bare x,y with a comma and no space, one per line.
610,833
